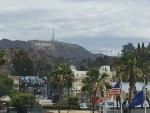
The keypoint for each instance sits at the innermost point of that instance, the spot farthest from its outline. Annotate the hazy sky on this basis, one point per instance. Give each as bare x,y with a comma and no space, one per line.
97,25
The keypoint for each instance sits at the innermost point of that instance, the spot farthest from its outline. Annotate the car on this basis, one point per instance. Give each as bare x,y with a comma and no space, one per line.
84,106
106,106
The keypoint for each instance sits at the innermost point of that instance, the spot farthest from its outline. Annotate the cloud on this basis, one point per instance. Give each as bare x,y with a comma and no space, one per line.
83,19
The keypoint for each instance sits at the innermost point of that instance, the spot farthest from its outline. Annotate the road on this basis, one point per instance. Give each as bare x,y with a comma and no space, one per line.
138,110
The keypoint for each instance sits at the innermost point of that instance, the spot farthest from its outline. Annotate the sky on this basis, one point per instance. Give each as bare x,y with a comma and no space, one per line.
100,26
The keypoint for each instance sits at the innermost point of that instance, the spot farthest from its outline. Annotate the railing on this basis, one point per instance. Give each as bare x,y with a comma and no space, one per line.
110,111
3,111
117,111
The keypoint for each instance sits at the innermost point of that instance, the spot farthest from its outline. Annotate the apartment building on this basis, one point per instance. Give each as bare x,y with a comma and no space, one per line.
75,90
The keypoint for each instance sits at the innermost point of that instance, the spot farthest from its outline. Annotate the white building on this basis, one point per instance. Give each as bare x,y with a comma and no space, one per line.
107,70
75,91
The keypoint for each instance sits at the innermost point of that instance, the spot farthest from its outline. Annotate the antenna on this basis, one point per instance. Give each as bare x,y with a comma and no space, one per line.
53,36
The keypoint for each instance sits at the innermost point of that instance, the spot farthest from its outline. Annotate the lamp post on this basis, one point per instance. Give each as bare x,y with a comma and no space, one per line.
29,103
53,97
144,91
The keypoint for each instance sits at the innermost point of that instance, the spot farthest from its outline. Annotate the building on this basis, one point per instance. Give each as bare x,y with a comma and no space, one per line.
75,90
33,84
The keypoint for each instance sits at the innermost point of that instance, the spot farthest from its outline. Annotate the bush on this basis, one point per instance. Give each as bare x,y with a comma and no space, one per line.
64,107
22,101
73,101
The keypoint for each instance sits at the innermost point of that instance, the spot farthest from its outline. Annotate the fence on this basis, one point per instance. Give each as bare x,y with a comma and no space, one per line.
110,111
3,111
35,110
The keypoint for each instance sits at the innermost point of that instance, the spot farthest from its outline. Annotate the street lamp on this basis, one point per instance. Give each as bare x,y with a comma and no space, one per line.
53,97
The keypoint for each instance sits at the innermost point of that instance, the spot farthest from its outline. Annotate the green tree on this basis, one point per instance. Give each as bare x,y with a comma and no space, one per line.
2,57
143,60
128,48
23,101
143,47
6,84
138,48
23,64
93,82
63,77
127,67
148,47
13,92
73,101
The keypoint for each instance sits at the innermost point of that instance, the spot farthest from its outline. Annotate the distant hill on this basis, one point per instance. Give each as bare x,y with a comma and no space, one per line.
6,43
71,52
46,54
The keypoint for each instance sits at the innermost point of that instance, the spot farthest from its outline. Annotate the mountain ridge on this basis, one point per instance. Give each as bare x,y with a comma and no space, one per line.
58,49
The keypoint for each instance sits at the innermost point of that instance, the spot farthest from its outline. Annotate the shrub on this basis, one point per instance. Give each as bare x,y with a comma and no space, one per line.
73,101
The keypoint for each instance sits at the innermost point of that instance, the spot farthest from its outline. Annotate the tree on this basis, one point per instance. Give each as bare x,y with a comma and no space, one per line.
129,48
23,101
63,77
148,47
92,82
127,67
13,92
138,48
73,101
42,67
143,60
23,64
6,84
2,59
143,47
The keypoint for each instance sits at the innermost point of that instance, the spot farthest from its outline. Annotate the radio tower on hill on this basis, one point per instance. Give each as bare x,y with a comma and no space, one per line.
53,36
53,43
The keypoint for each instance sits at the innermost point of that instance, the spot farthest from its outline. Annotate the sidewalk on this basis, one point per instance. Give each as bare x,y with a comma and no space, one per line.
70,111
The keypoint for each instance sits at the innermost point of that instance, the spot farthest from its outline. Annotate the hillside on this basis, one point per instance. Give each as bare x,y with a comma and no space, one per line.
71,52
46,54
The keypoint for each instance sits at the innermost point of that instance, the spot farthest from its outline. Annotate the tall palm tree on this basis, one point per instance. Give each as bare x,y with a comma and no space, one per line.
63,77
127,70
92,82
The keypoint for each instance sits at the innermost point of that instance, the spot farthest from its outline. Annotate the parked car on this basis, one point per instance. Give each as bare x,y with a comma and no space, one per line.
106,106
84,106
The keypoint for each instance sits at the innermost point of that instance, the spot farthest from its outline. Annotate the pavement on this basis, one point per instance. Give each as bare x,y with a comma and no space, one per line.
70,111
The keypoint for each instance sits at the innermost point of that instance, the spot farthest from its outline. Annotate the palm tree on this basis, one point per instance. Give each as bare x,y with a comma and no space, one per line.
127,70
92,82
63,77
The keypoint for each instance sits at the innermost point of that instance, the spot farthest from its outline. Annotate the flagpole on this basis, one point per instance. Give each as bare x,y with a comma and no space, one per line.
120,96
145,99
144,94
100,98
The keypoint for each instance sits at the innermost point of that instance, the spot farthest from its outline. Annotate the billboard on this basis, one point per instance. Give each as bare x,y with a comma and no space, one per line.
32,81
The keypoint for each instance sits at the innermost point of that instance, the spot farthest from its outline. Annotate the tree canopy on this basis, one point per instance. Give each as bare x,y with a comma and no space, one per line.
23,101
6,84
61,74
23,64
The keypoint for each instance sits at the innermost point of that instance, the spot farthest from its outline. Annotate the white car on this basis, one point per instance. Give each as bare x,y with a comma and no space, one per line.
83,106
106,106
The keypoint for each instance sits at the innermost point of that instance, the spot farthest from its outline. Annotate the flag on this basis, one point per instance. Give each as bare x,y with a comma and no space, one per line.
137,99
115,90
